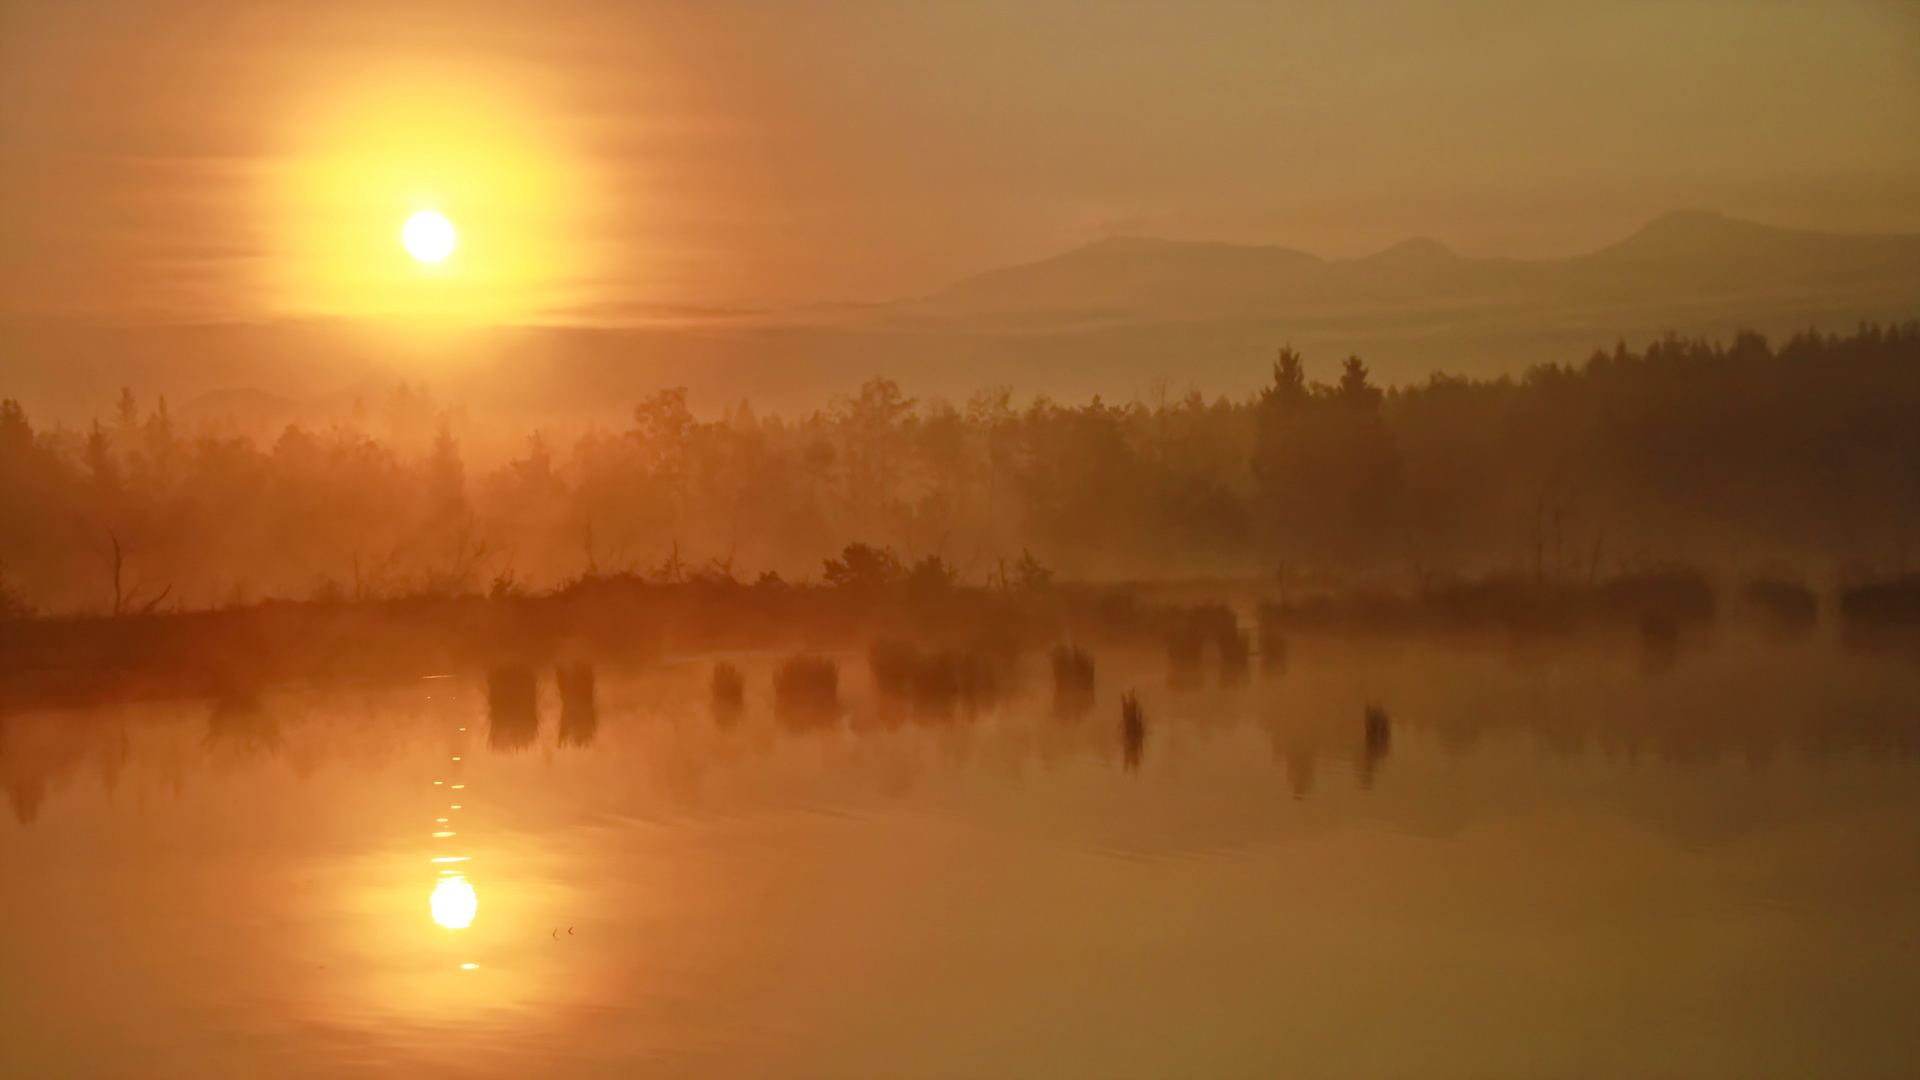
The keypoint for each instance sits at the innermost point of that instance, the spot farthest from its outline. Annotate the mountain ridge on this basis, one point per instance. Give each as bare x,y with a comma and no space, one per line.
1684,253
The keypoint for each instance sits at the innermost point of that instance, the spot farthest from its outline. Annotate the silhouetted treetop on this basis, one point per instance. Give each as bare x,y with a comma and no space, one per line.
1685,449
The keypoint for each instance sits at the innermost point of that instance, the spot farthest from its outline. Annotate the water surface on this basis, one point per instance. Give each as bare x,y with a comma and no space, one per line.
1564,866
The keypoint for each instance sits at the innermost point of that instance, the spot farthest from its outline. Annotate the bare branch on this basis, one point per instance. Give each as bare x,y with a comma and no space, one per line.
147,608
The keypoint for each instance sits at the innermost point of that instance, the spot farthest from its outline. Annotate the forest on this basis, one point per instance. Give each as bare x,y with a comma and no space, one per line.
1802,456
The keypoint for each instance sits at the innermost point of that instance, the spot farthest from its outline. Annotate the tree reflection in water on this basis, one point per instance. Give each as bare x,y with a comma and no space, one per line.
1756,705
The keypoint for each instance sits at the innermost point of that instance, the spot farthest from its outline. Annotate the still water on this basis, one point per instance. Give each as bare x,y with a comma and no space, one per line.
1557,867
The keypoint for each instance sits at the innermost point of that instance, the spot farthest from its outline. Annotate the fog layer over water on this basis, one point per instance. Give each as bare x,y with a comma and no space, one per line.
1389,861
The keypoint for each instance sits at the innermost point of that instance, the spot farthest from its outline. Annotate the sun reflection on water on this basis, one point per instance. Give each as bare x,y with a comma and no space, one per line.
453,903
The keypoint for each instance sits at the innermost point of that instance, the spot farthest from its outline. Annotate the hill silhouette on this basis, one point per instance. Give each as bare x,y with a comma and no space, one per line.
1114,317
1679,264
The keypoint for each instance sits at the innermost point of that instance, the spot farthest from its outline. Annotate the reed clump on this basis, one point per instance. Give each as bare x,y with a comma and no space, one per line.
1679,594
1376,742
513,707
1887,605
1072,680
806,690
579,719
937,682
238,720
893,663
728,694
1193,632
1133,731
1514,606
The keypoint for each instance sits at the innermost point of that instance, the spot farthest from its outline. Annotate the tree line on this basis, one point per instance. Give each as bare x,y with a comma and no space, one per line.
1804,454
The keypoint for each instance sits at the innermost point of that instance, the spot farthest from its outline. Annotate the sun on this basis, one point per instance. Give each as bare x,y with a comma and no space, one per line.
428,236
489,197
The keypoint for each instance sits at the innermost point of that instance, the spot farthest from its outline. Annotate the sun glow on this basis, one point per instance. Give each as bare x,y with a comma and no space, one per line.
453,903
419,153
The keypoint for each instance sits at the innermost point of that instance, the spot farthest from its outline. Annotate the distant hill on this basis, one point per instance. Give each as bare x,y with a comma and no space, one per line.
1682,263
1118,317
1132,277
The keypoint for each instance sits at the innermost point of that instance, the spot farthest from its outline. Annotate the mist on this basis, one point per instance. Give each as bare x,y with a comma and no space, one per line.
850,538
1734,455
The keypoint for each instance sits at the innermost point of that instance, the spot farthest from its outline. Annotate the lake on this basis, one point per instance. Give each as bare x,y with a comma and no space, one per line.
1539,865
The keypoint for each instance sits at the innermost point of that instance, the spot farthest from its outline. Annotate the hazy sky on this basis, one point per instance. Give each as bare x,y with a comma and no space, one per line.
199,160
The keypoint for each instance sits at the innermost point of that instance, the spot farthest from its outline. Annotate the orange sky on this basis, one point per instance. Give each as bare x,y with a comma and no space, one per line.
633,158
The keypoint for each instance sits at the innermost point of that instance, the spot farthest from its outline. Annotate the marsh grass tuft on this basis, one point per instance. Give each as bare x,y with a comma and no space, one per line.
729,692
1133,731
806,691
579,718
938,682
1072,680
513,712
1376,742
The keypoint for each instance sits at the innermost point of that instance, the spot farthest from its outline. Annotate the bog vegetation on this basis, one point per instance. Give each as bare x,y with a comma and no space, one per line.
1744,454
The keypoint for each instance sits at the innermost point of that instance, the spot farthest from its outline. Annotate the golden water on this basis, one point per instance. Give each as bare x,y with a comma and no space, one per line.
1566,867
